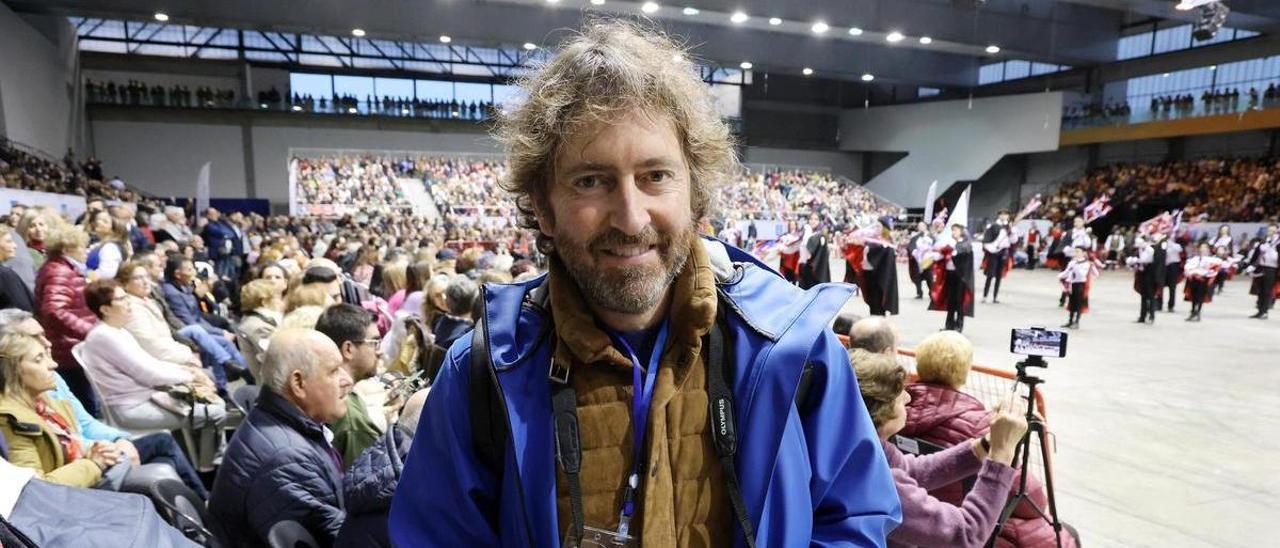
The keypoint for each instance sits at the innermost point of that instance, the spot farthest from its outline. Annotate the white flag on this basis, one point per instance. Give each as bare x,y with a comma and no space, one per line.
928,202
202,190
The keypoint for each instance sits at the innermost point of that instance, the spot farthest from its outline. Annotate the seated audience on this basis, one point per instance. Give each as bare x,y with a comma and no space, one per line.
262,311
355,332
927,521
372,479
137,387
280,464
34,228
179,293
41,432
875,334
943,415
111,247
157,448
62,310
14,292
461,297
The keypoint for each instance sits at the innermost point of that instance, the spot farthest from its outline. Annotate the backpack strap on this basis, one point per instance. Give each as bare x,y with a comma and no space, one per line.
488,424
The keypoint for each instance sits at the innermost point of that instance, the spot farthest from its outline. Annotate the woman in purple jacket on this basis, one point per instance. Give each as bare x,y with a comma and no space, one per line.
927,521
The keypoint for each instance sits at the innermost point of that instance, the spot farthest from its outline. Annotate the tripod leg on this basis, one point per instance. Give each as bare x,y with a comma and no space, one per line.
1048,486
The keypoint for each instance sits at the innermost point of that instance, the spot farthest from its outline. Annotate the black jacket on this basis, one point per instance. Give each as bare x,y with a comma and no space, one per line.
14,293
278,466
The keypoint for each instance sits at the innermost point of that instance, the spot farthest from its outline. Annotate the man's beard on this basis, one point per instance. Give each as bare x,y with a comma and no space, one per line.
626,290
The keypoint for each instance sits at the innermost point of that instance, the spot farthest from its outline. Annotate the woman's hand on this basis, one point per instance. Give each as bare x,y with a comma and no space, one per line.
1007,428
104,454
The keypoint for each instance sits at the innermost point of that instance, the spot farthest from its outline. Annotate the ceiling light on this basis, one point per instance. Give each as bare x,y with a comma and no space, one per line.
807,71
775,21
597,2
1213,67
162,16
855,31
691,11
445,39
357,32
993,49
894,36
553,1
738,17
530,46
1165,75
868,77
819,27
746,65
351,110
926,40
649,7
296,108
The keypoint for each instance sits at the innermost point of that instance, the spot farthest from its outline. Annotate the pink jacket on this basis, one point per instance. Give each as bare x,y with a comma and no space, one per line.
947,417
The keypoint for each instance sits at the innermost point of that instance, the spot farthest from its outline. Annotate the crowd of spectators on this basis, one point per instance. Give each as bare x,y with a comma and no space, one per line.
349,179
1219,189
393,106
794,194
23,170
136,93
1211,101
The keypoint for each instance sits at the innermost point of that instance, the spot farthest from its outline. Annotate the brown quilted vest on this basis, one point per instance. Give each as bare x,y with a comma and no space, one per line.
683,500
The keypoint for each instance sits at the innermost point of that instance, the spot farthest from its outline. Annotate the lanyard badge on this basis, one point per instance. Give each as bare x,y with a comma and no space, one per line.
643,381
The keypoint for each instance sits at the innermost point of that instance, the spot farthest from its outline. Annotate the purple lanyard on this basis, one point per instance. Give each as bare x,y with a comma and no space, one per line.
641,400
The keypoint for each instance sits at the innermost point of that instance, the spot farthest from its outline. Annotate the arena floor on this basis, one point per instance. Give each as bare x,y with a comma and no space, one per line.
1167,434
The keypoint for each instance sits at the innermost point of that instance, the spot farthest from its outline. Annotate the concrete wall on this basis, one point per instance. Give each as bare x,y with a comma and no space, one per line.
164,159
839,162
37,82
950,141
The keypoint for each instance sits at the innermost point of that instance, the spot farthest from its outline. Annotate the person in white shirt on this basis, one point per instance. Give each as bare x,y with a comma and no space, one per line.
1076,279
1148,267
1224,247
134,385
996,259
1201,270
1115,248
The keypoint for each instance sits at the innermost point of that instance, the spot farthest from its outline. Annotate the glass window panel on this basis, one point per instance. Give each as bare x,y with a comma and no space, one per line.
927,92
217,53
319,60
393,87
468,92
434,89
1016,69
102,45
359,86
989,74
315,85
1137,45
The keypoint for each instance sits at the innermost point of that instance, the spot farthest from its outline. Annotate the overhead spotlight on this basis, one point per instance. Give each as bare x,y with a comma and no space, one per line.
445,39
1213,67
352,110
746,65
553,1
1165,75
739,17
357,32
926,40
530,46
993,49
894,37
690,11
819,28
162,16
296,108
775,21
855,31
649,7
868,77
597,2
807,71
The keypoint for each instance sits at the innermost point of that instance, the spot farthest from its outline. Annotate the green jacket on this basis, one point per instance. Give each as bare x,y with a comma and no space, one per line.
355,431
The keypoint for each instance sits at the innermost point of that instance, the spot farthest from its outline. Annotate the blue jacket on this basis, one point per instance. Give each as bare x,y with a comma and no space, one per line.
182,302
368,487
815,478
220,239
91,429
277,467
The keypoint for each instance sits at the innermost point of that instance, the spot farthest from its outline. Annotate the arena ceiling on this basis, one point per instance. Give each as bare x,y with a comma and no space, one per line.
1078,33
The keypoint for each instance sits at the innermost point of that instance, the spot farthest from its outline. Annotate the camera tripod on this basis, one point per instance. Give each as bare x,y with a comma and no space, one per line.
1035,426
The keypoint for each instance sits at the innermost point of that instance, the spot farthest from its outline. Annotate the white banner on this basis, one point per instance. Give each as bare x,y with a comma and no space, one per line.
68,205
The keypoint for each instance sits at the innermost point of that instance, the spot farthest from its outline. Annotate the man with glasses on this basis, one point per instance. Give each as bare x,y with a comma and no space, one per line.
355,331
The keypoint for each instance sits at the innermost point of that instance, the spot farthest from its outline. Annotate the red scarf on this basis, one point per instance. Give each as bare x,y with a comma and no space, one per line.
70,442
